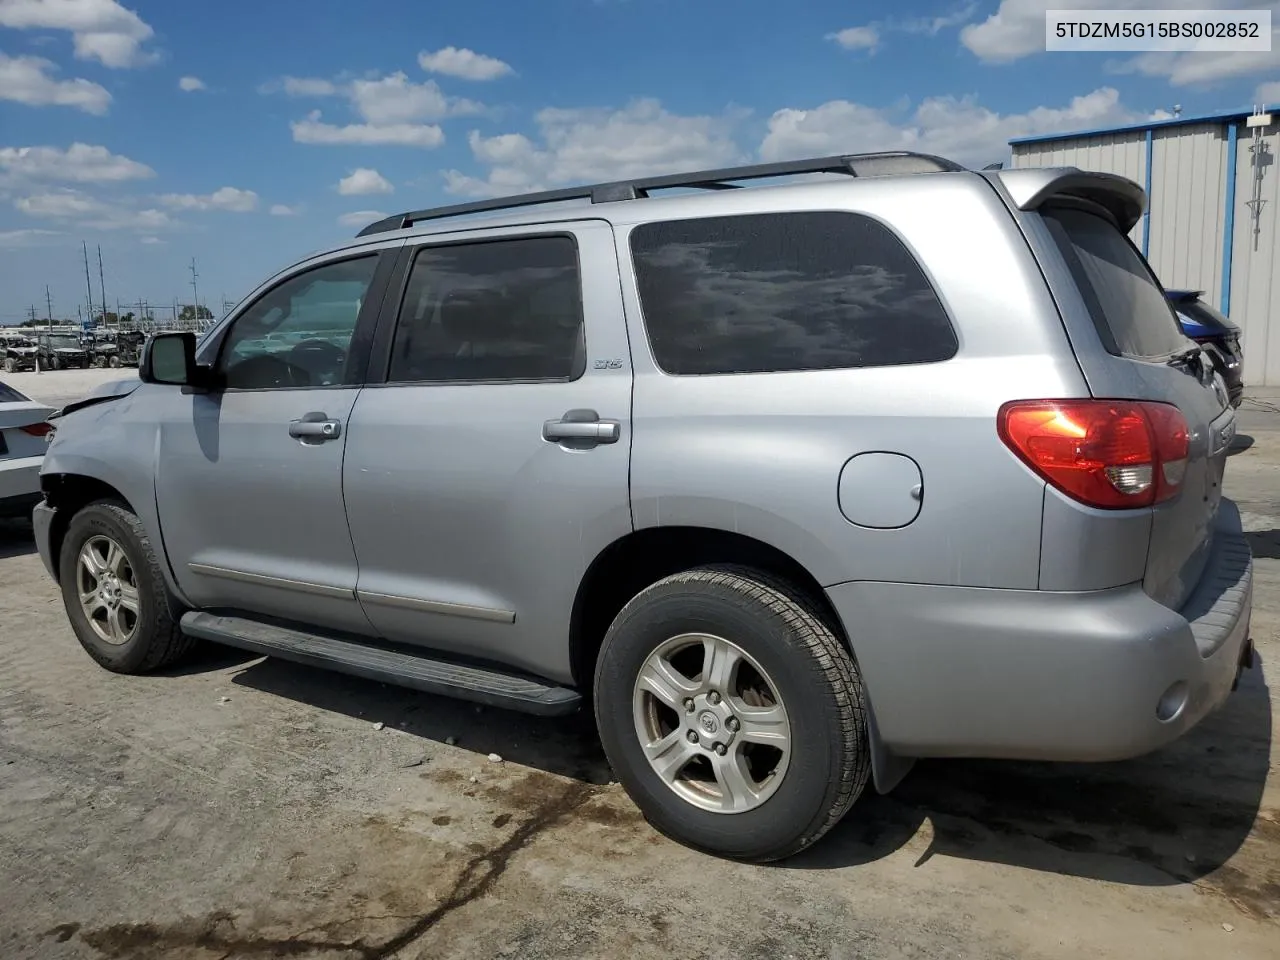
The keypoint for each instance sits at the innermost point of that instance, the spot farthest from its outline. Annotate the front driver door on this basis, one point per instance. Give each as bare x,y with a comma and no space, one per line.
249,484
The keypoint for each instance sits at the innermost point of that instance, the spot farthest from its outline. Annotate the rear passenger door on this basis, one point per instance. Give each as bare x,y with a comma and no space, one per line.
487,460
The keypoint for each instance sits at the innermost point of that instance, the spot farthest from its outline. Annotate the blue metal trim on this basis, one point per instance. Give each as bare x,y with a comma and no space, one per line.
1146,214
1228,221
1144,125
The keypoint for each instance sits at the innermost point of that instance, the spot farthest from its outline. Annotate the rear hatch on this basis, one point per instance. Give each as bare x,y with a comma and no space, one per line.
1146,356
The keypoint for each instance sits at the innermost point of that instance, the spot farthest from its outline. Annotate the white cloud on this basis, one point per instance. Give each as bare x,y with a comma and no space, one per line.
393,109
364,180
151,240
360,218
284,210
1017,30
12,239
190,84
955,127
88,211
79,163
102,30
464,64
226,198
30,80
1192,69
857,38
59,204
935,25
313,130
1268,93
589,145
396,99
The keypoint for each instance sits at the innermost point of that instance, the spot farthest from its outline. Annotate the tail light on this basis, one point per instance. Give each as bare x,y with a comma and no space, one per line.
1112,454
37,429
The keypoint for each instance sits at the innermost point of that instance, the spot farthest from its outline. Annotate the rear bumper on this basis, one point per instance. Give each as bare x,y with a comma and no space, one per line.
42,523
19,484
1039,675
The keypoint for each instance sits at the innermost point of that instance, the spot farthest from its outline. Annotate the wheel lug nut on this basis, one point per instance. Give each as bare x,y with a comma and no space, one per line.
688,706
713,697
692,736
720,749
732,723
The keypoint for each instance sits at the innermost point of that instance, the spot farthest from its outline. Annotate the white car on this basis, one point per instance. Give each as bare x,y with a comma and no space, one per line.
24,427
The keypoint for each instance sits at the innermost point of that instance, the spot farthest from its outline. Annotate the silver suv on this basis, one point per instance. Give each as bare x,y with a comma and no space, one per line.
792,483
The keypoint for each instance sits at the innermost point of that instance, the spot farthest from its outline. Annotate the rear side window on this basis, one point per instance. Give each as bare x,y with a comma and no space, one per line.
1133,317
10,395
766,293
492,311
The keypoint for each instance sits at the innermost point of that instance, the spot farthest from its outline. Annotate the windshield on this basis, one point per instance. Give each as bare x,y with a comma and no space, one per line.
63,343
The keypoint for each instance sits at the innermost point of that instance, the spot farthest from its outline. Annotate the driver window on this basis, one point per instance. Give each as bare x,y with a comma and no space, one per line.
299,333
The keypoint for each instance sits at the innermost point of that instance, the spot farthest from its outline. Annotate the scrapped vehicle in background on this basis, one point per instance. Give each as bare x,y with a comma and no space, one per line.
1217,336
57,351
789,484
18,352
103,349
129,347
24,428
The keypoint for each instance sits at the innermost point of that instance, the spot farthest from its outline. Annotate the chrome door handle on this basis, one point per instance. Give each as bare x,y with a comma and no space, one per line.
582,425
316,427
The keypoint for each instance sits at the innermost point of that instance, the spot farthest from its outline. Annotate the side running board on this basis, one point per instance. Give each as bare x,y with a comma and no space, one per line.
462,681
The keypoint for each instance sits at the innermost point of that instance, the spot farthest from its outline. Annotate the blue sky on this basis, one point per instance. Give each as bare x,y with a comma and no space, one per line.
246,134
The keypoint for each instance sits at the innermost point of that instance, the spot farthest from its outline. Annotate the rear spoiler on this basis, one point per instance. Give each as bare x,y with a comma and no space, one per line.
1031,187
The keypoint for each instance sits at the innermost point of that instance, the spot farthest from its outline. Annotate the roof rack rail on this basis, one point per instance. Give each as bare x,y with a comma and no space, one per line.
854,165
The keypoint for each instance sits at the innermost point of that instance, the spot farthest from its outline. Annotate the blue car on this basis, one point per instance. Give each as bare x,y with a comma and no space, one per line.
1217,336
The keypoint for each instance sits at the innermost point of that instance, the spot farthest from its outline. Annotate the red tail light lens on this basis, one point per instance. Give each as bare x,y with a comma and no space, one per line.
37,429
1113,454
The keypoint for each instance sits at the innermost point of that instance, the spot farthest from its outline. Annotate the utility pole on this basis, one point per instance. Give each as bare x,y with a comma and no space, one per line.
88,284
102,289
195,293
48,300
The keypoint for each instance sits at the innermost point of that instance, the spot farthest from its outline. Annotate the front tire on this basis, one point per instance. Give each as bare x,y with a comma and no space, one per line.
115,594
731,713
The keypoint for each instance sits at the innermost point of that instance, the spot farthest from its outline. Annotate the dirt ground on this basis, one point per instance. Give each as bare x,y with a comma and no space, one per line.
246,808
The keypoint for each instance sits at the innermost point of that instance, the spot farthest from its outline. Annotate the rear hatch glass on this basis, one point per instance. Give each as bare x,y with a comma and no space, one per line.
1140,331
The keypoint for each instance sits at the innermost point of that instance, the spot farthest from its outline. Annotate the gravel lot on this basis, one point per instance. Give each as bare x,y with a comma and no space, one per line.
246,808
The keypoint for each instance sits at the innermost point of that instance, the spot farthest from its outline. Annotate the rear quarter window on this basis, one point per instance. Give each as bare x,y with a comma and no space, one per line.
10,395
1133,316
765,293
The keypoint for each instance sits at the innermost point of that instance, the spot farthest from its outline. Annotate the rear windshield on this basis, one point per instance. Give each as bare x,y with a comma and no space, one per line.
1133,316
1201,312
10,395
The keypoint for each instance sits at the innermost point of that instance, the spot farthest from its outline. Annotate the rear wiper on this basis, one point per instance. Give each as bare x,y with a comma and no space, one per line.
1185,357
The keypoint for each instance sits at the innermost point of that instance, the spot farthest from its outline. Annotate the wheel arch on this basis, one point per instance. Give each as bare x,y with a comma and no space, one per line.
642,557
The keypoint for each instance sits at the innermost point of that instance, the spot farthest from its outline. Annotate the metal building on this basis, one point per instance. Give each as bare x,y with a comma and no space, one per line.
1213,213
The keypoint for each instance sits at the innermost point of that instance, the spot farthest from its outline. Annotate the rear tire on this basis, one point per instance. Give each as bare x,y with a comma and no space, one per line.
114,362
54,363
114,593
773,751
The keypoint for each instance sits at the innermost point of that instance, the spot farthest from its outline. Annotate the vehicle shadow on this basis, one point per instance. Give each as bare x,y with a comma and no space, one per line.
1264,543
1239,444
1175,816
1171,817
16,539
565,746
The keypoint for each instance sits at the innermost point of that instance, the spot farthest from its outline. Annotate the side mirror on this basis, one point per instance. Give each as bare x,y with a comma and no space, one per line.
169,358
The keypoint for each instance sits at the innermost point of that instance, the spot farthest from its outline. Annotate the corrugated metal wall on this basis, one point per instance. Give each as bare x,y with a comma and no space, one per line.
1190,172
1255,260
1188,183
